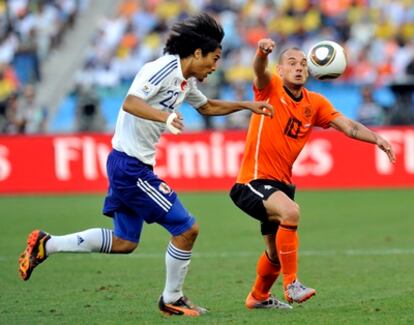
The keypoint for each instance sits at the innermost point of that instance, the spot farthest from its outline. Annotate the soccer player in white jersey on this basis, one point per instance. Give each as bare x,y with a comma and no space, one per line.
135,193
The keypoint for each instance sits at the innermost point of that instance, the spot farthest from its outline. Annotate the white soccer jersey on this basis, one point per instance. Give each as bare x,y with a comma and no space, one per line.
161,84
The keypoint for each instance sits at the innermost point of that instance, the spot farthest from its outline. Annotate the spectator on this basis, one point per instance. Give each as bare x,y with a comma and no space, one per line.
14,124
369,112
32,117
8,87
8,82
89,117
402,112
27,60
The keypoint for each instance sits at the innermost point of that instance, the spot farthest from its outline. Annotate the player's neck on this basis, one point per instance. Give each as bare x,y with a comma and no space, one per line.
186,67
294,91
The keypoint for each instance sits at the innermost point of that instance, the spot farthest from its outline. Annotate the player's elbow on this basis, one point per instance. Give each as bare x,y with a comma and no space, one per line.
128,104
346,126
350,131
207,109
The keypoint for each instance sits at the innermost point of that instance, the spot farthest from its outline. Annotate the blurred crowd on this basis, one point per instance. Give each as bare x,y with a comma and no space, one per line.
378,37
29,31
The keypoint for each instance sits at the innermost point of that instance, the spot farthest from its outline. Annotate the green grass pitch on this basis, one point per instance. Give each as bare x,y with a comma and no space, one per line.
356,249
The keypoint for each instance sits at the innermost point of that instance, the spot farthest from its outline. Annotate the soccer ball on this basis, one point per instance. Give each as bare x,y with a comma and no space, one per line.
326,60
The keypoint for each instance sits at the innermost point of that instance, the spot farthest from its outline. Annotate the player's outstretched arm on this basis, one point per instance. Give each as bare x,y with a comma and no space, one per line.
139,108
262,76
222,107
356,130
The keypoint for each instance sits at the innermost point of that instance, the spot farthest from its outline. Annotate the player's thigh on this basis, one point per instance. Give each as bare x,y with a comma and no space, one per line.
178,220
127,226
134,187
263,198
250,200
280,206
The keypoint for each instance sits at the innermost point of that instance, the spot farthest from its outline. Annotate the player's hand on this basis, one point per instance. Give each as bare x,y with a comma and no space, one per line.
266,45
175,123
385,146
262,108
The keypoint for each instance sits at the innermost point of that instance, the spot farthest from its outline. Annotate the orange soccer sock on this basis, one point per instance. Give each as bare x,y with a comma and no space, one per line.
287,249
267,273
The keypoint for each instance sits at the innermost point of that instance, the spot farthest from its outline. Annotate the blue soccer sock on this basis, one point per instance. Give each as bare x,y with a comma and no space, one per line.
90,240
176,261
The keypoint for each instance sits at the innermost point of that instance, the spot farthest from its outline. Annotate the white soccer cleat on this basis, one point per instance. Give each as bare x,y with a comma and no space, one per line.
269,303
297,292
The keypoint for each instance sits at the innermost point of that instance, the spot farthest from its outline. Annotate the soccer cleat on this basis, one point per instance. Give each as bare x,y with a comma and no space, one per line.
34,254
270,303
297,292
182,307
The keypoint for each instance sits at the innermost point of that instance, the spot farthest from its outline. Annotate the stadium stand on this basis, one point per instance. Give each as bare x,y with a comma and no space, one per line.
378,37
41,46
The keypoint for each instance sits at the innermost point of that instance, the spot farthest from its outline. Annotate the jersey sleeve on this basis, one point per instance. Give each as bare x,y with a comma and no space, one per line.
326,112
194,96
145,86
264,94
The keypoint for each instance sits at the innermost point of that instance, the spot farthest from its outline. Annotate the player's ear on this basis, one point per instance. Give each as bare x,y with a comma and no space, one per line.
198,54
306,72
279,70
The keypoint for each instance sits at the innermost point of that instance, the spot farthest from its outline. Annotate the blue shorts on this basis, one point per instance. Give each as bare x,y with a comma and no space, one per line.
136,195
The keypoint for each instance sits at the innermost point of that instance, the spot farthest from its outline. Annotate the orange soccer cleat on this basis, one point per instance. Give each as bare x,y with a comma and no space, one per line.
34,254
182,307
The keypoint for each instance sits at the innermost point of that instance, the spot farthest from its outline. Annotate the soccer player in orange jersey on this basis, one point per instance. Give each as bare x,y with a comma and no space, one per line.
263,188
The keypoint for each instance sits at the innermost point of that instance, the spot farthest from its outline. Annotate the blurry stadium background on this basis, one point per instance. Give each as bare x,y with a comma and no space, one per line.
65,66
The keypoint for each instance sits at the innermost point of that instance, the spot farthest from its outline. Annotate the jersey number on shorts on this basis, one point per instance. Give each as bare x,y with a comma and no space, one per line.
292,128
170,100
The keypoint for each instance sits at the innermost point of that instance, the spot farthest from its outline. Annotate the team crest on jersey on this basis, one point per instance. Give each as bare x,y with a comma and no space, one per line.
146,88
164,188
307,111
183,84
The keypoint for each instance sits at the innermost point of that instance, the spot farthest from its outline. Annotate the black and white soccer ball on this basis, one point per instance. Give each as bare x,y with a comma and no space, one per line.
326,60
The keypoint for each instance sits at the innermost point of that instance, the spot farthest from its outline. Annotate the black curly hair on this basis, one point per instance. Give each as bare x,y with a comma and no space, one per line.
196,32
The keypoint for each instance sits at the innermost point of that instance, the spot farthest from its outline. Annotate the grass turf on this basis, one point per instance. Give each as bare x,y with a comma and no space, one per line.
357,250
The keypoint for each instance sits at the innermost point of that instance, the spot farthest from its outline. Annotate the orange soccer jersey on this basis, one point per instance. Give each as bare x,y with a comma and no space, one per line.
273,144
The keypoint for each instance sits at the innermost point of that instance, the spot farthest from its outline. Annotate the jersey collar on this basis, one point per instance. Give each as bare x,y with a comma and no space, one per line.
180,71
296,99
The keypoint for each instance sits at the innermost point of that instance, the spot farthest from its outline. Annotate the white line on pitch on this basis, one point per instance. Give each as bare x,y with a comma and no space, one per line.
321,253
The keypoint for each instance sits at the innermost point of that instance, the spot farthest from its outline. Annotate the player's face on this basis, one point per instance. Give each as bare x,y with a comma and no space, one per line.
206,64
293,68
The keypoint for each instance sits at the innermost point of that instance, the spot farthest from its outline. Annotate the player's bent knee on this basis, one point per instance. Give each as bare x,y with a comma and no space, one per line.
122,246
192,233
292,215
186,239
